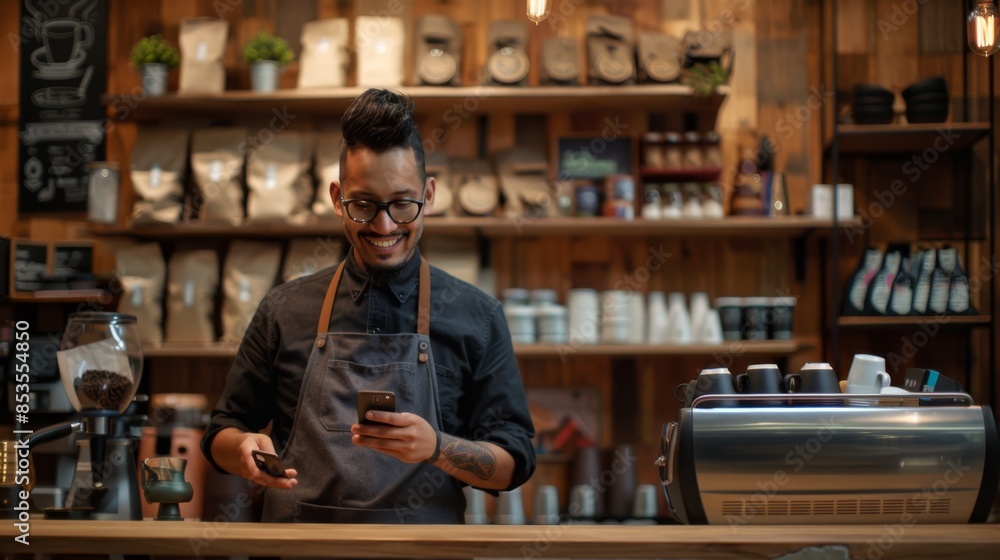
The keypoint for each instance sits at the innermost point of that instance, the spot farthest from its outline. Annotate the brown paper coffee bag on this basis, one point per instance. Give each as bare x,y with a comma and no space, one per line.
203,45
250,270
159,160
191,286
324,53
217,157
142,272
278,183
308,256
328,144
380,42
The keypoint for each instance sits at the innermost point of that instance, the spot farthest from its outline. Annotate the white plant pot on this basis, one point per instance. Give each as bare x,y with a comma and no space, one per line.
154,79
264,75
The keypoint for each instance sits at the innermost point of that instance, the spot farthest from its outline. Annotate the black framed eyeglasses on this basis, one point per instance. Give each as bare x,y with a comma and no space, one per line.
401,210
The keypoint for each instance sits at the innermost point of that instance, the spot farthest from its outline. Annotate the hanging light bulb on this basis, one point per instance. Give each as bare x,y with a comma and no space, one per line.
983,26
539,10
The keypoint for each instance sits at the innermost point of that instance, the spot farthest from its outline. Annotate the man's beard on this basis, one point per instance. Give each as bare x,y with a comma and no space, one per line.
382,275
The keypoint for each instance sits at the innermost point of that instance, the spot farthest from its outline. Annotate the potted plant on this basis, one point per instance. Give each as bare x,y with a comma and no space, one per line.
703,79
266,54
155,59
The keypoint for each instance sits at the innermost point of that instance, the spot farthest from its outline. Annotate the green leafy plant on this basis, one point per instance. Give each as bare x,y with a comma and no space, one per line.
154,50
704,78
268,47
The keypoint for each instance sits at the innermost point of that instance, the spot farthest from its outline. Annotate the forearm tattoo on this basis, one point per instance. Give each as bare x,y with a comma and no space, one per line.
471,456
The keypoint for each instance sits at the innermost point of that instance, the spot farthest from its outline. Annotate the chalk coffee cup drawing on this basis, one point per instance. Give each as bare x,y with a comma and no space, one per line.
65,39
814,377
867,376
761,379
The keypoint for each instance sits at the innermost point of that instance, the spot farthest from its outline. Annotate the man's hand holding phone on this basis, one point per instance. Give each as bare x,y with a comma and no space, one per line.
265,467
403,435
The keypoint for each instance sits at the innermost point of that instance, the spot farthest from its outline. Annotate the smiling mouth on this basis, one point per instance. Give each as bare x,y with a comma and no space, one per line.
383,243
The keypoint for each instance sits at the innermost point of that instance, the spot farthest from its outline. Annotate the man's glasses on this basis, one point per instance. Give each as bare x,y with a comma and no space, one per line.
401,210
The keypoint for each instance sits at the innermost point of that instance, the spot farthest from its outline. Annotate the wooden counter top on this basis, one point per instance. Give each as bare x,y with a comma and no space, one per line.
456,541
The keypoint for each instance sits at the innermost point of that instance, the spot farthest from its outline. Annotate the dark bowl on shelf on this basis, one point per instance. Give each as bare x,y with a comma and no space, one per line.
873,118
916,117
927,108
871,102
930,85
873,91
929,97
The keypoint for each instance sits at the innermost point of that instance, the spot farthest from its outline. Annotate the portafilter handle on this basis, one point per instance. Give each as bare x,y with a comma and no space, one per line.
666,464
54,432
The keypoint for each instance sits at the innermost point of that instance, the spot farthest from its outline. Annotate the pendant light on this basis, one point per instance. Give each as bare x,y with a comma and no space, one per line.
539,10
983,27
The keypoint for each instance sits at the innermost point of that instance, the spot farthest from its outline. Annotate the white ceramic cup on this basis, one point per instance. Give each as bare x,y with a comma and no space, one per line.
867,374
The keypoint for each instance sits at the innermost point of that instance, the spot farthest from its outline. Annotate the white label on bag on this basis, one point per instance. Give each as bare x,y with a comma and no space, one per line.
137,295
215,171
323,45
271,177
154,176
201,52
189,293
244,295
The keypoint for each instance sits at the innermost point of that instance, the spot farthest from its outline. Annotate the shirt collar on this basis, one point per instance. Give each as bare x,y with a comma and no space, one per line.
358,280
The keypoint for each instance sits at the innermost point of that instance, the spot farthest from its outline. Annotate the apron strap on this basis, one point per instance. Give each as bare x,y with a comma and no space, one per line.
331,293
423,301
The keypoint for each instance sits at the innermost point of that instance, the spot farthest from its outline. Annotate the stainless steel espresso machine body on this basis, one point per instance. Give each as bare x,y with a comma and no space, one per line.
935,462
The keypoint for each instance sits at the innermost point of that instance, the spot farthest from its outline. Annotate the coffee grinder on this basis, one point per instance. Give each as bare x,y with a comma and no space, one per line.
100,363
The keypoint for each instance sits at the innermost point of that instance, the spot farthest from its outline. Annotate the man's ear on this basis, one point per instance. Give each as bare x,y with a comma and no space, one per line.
429,196
338,207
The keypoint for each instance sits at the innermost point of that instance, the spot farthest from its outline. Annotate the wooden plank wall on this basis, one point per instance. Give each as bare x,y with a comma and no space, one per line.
895,44
778,84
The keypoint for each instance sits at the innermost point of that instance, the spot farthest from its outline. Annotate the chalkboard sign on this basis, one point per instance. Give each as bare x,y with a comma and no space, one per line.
594,158
30,264
63,54
72,259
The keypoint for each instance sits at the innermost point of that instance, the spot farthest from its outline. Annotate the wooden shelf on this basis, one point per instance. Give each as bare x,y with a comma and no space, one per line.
190,350
62,296
461,100
944,321
679,175
909,138
791,226
764,347
743,347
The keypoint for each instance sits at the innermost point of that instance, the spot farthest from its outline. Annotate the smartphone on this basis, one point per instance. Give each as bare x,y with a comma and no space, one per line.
269,463
375,400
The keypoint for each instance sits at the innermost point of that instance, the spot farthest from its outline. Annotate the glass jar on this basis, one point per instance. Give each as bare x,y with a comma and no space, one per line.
693,157
652,150
712,150
673,155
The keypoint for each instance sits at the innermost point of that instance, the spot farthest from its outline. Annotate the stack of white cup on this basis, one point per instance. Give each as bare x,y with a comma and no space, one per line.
616,325
584,316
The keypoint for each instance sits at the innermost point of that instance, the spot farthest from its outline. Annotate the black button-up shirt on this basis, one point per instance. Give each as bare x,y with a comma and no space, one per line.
479,385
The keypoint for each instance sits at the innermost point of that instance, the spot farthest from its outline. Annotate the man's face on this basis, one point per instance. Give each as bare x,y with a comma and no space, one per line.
381,246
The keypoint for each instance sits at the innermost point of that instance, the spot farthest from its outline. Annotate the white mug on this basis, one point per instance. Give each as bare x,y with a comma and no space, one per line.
867,374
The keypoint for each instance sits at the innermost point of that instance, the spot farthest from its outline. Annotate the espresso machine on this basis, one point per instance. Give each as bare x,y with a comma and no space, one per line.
100,364
742,460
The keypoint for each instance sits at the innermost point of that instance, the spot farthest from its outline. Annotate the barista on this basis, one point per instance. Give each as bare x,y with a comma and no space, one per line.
382,320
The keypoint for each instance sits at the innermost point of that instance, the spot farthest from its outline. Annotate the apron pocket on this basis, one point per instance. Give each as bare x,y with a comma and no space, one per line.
449,390
343,380
311,513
